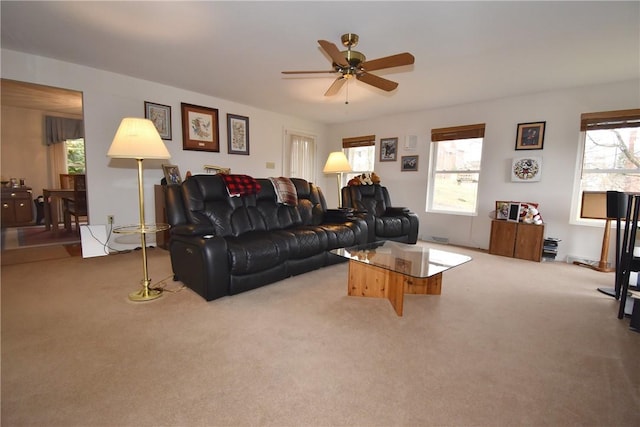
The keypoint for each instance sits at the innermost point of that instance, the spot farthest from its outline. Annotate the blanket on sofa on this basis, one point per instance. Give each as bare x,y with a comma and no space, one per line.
285,191
240,185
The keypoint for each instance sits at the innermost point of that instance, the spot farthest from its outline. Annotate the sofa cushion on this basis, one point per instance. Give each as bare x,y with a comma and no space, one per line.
339,235
306,241
257,251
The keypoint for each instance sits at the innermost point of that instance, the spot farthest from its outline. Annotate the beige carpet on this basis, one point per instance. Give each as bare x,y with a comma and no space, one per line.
39,253
508,343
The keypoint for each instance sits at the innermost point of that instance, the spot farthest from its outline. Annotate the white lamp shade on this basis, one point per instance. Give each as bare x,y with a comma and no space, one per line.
137,138
337,163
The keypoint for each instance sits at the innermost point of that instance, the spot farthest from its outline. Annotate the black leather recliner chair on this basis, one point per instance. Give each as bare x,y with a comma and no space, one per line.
384,221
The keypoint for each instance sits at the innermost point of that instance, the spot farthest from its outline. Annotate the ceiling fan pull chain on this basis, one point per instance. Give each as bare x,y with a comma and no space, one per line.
347,101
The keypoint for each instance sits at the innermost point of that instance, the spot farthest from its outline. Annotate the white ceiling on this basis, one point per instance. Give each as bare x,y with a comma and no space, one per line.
465,51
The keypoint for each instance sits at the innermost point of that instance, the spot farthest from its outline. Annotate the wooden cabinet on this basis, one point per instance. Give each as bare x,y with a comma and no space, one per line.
162,237
17,206
516,240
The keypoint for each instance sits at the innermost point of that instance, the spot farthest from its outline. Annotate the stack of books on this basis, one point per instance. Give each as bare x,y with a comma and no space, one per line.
550,249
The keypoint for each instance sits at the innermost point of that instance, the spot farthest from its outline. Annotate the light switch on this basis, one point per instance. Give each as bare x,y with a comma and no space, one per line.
271,165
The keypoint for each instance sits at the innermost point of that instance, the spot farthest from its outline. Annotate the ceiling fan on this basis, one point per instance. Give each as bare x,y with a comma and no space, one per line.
351,63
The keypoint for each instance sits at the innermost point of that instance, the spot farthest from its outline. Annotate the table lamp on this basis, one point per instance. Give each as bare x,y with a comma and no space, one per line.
337,163
138,139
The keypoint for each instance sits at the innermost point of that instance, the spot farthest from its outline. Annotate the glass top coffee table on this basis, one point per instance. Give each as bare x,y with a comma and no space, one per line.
389,269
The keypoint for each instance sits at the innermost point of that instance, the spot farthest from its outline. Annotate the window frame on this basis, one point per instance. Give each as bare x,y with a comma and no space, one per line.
456,133
358,142
594,121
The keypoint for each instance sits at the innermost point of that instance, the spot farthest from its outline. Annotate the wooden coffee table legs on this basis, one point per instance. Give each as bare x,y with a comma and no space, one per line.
366,280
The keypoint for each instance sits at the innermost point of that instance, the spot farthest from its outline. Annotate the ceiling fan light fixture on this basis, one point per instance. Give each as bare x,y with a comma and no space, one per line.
351,63
353,57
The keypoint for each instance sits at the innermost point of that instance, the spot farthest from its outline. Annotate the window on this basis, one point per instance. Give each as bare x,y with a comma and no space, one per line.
75,155
456,153
610,152
361,153
300,156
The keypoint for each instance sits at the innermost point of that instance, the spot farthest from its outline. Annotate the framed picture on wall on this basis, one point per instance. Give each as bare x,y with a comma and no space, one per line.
530,136
409,163
388,149
199,128
526,169
160,115
237,134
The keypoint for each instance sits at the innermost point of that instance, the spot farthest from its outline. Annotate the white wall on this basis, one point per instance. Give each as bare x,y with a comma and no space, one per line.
108,97
561,110
112,185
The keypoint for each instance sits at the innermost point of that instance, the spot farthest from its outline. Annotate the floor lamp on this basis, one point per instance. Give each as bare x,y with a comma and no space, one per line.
138,139
337,163
594,206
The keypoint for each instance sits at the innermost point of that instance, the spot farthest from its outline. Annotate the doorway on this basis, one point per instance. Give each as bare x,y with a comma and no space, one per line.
25,155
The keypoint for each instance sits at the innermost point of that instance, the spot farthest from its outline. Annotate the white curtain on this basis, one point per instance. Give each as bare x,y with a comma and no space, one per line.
302,157
57,159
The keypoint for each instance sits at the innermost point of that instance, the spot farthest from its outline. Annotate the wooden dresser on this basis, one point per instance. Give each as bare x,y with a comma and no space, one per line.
17,206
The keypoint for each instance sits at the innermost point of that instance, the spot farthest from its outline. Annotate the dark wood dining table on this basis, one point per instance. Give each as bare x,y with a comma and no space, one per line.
52,198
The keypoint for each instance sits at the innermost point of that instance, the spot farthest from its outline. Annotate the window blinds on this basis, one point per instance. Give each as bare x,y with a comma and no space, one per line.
610,120
359,141
458,132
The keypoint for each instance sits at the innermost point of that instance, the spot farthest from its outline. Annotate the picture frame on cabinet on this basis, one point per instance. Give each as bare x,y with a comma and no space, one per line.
172,174
514,212
199,128
502,209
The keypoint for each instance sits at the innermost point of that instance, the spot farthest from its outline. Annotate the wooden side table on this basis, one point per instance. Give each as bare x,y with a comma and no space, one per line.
516,240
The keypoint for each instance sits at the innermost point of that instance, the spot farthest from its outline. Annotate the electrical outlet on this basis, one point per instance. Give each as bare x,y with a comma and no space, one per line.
109,219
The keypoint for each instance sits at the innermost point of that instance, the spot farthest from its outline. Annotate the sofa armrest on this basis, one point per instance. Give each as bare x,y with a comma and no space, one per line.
338,215
196,230
392,210
201,263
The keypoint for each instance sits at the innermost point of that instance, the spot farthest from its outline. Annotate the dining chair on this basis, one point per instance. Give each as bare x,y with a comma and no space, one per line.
76,206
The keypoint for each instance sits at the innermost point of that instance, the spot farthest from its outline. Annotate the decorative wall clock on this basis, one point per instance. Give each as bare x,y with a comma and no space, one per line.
526,169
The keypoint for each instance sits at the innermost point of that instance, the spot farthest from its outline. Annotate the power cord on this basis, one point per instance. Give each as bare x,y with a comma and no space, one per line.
164,287
105,245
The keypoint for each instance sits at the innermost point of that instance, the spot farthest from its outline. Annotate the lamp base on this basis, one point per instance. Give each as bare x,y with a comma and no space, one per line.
145,294
600,266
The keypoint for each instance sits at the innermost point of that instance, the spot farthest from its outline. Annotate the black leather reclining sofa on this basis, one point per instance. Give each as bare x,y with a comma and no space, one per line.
222,245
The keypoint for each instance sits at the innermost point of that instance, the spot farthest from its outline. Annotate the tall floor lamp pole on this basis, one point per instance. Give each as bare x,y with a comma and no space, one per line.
337,163
138,139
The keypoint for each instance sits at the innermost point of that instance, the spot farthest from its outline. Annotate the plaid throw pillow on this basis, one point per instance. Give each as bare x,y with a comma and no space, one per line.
240,185
285,191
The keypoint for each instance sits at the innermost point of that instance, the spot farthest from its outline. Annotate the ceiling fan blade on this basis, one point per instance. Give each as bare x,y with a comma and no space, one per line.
377,81
335,86
308,72
388,62
334,53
